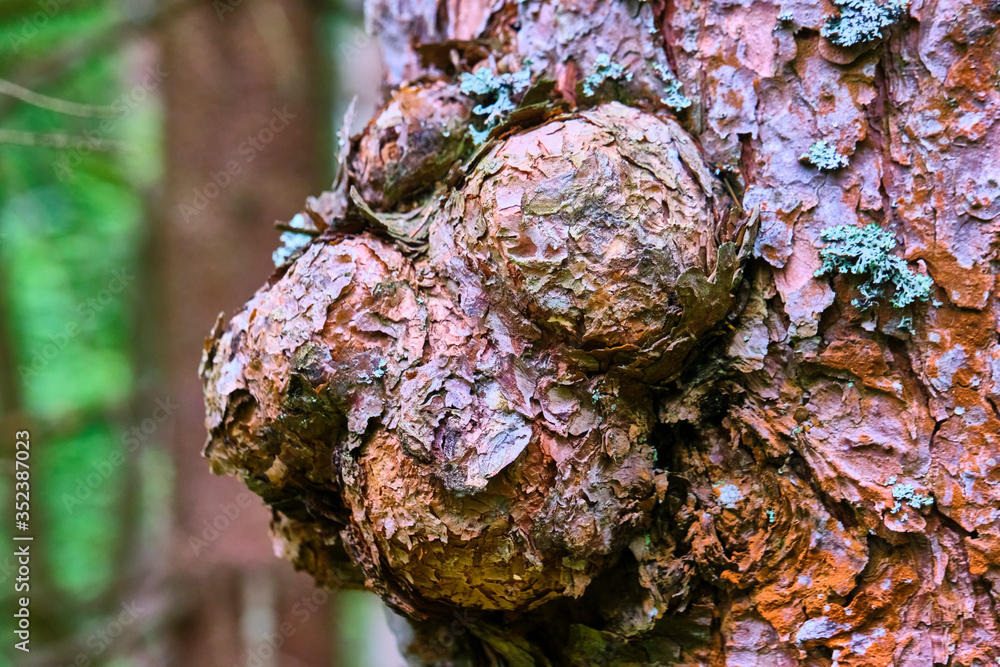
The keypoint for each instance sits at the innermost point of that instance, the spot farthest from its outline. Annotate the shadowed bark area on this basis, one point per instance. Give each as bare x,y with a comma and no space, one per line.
534,375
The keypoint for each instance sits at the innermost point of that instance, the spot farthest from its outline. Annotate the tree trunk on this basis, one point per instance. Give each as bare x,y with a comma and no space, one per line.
646,333
245,136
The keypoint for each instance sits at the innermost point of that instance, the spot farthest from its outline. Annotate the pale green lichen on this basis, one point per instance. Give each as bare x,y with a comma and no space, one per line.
865,251
495,91
674,97
905,493
824,157
603,70
862,21
293,243
729,495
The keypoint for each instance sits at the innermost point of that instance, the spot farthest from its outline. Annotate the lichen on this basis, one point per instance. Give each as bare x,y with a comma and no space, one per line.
905,493
294,243
674,97
729,495
818,628
824,157
495,91
865,251
603,70
861,21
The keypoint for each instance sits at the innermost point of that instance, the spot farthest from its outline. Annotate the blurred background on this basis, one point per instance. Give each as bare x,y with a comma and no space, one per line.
146,149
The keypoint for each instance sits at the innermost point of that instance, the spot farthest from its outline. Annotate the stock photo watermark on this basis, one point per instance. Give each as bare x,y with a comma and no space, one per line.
212,529
247,151
358,43
130,441
443,643
121,108
46,352
32,24
22,541
99,641
271,643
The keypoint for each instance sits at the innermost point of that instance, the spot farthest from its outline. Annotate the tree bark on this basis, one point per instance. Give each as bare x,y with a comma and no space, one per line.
592,355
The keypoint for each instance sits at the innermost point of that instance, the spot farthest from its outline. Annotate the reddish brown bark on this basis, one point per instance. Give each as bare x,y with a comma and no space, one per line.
541,396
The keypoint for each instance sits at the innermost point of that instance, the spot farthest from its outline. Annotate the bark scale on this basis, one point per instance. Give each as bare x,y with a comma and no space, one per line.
541,382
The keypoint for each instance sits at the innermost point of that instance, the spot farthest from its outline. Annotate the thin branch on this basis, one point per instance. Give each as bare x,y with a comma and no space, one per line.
63,141
41,72
53,103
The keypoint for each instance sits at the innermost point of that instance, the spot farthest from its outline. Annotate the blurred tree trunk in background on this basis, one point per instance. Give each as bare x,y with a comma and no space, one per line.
246,138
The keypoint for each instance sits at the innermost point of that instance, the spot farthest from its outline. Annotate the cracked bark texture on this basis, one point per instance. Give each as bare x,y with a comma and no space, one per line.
561,400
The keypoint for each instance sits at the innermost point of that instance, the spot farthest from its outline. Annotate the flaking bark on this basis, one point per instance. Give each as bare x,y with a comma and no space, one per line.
558,401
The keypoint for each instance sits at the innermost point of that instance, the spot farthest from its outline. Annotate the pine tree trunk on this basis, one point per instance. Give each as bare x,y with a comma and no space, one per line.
591,357
242,123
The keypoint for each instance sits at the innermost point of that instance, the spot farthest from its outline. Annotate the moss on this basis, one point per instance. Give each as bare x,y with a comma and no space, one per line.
865,251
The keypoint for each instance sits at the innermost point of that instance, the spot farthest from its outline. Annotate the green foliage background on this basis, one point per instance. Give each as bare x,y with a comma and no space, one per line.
70,221
64,234
74,225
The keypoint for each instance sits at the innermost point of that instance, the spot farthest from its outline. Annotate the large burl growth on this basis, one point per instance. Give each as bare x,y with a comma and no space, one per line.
582,361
